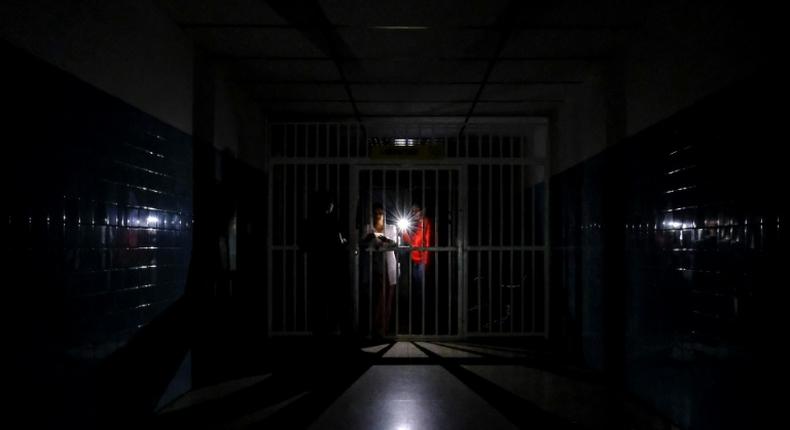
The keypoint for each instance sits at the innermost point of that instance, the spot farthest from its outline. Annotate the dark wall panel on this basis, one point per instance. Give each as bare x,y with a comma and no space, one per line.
96,218
663,246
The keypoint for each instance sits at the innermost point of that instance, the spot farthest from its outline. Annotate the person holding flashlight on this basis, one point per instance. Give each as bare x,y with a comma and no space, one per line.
418,235
382,238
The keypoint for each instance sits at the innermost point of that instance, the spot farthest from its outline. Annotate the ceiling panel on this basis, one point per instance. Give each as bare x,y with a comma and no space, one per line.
412,56
413,12
290,70
417,108
245,42
221,11
410,126
415,70
414,92
300,91
566,42
414,127
311,108
514,70
598,13
372,43
523,92
483,108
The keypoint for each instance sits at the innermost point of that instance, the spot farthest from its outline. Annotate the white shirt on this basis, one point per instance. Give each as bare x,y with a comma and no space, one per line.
391,233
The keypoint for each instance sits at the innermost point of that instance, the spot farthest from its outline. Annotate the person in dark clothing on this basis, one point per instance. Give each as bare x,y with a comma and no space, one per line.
325,245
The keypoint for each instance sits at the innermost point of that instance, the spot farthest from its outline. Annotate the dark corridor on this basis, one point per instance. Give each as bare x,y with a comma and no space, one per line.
397,215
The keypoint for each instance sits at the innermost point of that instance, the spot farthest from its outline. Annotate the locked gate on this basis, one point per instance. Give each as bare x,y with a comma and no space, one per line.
484,192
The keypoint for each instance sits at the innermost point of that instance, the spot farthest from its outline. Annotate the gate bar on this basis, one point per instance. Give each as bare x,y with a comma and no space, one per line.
295,220
490,242
449,257
523,228
286,239
304,254
501,238
534,243
436,270
479,242
397,259
370,253
423,181
411,198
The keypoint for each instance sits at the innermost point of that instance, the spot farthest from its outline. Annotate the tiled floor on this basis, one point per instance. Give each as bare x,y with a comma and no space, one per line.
408,398
408,386
261,415
579,402
446,352
376,348
404,350
214,392
494,352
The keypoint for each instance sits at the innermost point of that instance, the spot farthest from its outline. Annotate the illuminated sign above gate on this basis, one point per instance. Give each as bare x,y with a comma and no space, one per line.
405,149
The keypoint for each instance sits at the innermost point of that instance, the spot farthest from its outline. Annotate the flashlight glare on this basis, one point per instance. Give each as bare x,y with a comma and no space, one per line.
403,224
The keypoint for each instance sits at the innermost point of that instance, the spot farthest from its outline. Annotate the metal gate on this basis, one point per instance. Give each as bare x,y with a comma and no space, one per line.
430,305
485,190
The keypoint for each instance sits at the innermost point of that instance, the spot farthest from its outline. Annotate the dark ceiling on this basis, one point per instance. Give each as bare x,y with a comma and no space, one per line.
374,59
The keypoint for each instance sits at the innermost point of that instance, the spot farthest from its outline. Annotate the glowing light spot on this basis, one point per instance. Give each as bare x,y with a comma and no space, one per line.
404,142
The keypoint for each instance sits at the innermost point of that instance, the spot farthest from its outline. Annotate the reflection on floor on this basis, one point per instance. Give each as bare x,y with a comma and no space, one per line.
494,352
408,386
261,415
410,397
214,392
445,352
577,401
404,350
376,348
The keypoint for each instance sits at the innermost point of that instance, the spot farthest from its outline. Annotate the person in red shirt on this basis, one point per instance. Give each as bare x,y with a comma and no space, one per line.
419,235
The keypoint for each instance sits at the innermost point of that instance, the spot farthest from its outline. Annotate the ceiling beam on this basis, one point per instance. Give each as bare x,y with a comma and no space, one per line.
310,19
416,27
511,10
297,114
401,101
411,83
541,58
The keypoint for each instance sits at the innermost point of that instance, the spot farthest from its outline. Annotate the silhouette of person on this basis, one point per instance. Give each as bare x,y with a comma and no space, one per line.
326,263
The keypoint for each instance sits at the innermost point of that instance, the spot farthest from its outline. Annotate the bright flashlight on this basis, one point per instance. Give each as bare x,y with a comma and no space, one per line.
403,224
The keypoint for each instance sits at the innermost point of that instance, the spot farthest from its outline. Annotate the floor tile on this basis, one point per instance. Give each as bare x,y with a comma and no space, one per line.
411,397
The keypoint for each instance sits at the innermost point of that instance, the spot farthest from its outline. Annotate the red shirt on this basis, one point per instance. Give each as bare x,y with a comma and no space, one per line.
420,238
